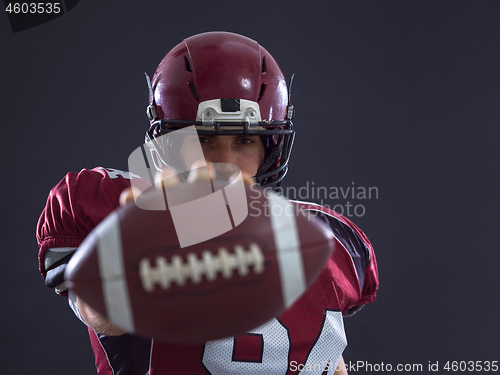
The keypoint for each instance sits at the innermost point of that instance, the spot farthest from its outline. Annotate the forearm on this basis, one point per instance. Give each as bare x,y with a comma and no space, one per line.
341,369
96,321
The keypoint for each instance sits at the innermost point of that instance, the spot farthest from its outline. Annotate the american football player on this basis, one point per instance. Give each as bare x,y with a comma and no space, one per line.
234,92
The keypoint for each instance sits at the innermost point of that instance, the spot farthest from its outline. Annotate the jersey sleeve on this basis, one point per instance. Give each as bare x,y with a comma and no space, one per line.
77,204
352,267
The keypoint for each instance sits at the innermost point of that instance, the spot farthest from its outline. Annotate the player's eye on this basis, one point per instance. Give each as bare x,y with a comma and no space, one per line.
246,141
203,139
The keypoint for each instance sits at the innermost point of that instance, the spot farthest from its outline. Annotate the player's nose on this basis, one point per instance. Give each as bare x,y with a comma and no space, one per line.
226,161
225,154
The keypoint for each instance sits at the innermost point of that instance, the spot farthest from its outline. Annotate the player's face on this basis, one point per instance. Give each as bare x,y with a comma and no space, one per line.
245,151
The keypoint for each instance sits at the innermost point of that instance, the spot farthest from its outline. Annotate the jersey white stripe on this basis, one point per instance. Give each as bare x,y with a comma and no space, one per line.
287,242
114,286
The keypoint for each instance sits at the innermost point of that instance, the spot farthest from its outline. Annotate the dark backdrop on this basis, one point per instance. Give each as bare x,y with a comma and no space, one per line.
398,95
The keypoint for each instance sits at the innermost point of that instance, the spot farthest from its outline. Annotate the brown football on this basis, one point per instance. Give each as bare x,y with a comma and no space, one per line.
143,275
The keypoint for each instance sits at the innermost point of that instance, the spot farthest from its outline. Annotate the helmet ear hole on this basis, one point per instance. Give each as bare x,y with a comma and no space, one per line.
193,91
262,90
264,64
188,65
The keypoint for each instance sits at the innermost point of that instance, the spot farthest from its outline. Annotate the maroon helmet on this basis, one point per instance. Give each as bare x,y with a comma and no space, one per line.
224,84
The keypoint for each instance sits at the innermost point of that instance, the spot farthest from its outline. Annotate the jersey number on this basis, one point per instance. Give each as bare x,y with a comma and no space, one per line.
219,356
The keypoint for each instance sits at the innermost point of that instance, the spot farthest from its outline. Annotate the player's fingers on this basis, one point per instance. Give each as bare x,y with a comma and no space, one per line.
128,194
200,172
167,178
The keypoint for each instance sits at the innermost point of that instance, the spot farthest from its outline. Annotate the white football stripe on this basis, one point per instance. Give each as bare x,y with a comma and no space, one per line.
114,286
287,242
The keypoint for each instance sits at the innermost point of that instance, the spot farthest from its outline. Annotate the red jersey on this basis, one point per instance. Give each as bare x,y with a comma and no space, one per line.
309,337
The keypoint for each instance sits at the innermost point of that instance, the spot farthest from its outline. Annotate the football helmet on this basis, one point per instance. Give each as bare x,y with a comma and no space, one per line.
223,84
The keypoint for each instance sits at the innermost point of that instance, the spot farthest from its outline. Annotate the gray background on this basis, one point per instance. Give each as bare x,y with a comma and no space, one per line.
399,95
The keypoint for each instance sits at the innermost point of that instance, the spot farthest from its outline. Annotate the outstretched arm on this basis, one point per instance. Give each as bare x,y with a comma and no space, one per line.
96,321
341,369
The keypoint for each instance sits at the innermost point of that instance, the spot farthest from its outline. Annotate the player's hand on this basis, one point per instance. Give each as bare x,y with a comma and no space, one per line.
200,172
127,195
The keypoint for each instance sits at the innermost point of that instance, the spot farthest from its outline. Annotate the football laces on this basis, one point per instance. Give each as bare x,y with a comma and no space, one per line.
194,268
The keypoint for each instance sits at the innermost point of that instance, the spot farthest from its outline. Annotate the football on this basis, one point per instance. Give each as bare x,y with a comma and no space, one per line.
189,266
